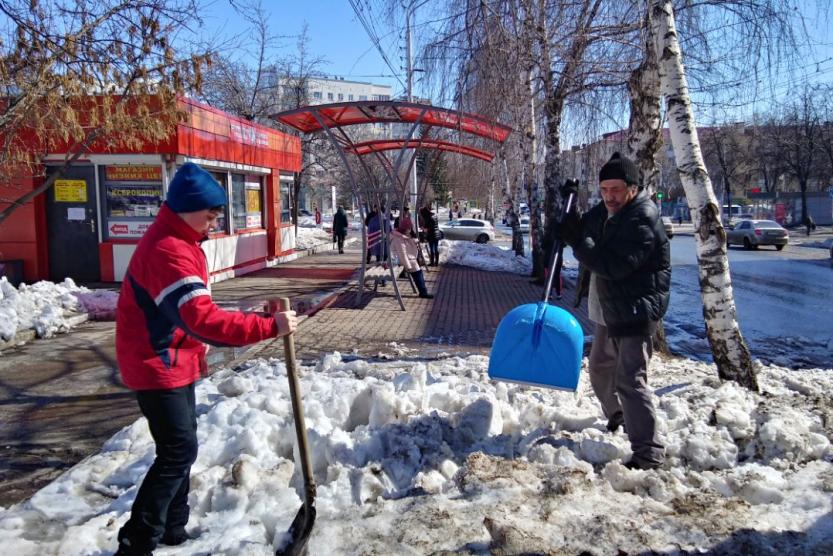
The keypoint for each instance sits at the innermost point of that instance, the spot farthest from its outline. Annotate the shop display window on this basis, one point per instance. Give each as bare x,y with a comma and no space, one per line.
132,196
286,198
222,220
247,201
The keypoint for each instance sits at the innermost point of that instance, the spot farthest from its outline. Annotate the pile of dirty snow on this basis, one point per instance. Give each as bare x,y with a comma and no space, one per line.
419,457
44,306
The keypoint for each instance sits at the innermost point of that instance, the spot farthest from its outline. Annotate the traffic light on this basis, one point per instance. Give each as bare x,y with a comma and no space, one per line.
659,194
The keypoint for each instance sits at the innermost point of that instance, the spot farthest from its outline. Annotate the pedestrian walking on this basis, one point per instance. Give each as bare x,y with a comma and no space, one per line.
626,262
809,223
407,249
430,226
340,228
317,215
165,320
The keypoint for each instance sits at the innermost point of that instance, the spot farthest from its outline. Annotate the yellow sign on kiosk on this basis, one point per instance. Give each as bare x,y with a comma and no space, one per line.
70,191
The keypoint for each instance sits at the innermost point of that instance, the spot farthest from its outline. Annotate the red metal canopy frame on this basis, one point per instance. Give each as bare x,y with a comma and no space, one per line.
334,118
379,145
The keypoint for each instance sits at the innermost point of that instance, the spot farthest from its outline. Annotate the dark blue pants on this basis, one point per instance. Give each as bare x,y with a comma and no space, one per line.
434,251
419,281
162,501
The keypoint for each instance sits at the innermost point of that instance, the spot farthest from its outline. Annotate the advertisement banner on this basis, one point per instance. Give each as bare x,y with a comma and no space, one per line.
127,229
133,200
70,191
133,173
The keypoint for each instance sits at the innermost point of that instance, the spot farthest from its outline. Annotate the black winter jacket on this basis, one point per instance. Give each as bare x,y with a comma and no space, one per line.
630,255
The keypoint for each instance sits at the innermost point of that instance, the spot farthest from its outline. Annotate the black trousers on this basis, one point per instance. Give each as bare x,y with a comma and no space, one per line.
162,501
340,239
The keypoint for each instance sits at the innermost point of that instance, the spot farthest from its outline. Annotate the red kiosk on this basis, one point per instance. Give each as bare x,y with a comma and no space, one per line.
87,225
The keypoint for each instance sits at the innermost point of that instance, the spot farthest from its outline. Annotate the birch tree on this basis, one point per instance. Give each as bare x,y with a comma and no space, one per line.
729,350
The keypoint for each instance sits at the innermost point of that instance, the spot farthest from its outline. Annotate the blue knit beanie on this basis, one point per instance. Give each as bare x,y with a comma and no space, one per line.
194,189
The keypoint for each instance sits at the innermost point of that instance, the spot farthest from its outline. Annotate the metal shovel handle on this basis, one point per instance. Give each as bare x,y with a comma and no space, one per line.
558,248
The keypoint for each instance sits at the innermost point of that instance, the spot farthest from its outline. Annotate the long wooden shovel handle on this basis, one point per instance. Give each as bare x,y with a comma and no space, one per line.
298,412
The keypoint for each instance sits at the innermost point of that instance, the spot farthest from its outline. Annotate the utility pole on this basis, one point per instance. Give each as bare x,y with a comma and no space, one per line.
409,12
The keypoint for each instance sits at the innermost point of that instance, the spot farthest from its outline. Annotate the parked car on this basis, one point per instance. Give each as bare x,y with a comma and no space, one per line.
468,229
752,233
669,226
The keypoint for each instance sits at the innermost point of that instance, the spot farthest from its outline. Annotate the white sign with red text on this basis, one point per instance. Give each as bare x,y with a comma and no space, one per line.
127,228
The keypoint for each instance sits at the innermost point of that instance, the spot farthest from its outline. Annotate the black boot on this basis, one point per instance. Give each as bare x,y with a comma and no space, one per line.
175,536
419,280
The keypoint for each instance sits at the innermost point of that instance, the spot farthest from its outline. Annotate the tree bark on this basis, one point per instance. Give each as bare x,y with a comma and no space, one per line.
645,132
729,350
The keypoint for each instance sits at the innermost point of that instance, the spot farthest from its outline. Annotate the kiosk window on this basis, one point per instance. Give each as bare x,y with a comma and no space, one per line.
222,220
286,188
247,201
132,198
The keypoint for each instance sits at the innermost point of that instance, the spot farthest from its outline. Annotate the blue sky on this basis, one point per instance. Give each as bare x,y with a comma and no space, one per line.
336,34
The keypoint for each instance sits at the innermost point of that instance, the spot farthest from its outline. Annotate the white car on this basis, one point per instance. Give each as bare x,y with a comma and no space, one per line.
523,223
468,229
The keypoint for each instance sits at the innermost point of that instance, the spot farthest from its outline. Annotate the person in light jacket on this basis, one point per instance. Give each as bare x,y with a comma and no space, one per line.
407,249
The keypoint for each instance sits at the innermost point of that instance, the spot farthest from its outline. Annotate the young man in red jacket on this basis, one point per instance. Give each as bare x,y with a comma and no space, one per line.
164,320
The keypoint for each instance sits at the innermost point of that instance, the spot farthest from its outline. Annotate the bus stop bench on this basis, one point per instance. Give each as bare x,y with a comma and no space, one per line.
381,275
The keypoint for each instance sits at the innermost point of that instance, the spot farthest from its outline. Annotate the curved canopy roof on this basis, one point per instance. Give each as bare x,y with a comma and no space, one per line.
371,111
379,145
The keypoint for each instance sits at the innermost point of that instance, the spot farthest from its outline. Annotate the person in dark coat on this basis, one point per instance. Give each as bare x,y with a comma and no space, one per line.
622,243
429,224
340,228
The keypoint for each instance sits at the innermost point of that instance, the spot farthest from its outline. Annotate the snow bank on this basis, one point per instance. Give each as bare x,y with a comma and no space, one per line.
44,306
416,457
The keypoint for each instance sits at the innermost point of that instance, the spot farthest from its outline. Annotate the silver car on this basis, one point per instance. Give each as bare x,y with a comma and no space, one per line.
468,229
752,233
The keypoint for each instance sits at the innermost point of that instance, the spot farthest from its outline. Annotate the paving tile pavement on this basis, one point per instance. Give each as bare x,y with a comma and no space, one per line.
462,318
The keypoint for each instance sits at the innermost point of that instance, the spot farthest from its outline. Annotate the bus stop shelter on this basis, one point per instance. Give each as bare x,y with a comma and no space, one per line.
422,127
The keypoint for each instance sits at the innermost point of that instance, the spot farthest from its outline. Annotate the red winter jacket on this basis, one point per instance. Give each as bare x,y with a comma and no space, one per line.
165,313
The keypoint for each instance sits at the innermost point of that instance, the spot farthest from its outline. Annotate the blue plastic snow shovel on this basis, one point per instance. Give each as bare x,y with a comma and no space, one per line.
539,343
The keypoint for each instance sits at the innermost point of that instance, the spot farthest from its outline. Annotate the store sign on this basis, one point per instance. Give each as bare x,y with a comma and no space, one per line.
127,228
133,200
133,173
70,191
249,135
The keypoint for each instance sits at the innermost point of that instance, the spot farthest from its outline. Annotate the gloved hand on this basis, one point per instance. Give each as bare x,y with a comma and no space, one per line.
570,186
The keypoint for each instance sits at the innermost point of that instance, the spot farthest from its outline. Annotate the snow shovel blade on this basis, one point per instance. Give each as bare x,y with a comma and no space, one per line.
538,344
299,533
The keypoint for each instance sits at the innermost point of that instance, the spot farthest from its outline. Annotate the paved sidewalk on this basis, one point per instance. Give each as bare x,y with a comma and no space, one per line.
61,398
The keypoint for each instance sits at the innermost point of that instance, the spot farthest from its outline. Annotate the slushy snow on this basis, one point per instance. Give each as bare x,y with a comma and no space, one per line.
425,456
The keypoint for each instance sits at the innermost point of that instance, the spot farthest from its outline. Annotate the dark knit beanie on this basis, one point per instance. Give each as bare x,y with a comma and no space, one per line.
620,168
194,189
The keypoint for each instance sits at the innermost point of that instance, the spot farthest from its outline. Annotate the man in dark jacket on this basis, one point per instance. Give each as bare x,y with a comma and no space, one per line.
623,244
430,226
340,225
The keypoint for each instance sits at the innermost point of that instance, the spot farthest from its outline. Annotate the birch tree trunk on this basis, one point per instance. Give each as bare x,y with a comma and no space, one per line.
645,131
729,350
